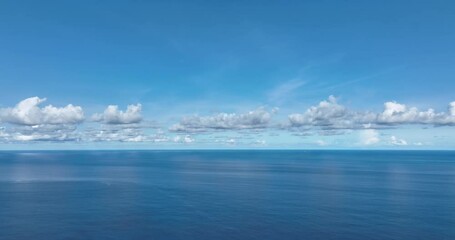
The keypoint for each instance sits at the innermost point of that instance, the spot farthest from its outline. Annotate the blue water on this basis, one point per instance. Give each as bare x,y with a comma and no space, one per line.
217,195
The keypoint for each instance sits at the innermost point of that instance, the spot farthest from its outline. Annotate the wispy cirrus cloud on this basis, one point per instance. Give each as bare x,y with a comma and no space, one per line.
282,92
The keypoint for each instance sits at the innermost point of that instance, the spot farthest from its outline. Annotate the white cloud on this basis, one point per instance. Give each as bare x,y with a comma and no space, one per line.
184,139
116,134
30,122
231,141
3,134
452,109
259,118
124,133
329,115
395,113
28,112
56,133
112,115
398,142
260,142
323,114
369,136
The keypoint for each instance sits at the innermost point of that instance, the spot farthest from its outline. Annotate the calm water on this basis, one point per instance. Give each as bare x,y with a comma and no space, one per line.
227,195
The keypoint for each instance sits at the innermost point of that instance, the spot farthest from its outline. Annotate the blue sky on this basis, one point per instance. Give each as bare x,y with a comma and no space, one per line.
227,74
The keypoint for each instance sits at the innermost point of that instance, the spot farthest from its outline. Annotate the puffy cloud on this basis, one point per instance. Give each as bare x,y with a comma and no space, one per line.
396,141
452,109
28,112
369,136
112,115
329,115
231,141
259,118
184,139
3,134
395,113
30,122
326,113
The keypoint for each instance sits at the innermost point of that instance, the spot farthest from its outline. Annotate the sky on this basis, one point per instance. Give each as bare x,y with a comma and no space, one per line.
227,74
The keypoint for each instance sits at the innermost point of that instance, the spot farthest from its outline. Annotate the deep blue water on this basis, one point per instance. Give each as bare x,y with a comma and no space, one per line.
217,195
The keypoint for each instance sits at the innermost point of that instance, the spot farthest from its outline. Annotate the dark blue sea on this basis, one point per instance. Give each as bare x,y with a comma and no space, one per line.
216,195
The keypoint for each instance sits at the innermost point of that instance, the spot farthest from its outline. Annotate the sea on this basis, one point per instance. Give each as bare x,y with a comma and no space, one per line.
227,194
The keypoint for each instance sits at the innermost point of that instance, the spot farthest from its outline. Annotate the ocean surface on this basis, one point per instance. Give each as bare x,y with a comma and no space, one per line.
215,195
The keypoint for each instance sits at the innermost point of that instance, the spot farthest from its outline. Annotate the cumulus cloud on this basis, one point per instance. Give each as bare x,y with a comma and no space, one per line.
184,139
369,136
396,113
31,122
329,115
29,112
398,142
257,119
452,109
326,113
112,115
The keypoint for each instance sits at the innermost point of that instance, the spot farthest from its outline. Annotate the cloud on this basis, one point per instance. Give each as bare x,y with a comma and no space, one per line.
112,115
115,134
369,136
184,139
257,119
321,143
398,142
452,109
28,112
396,113
231,141
30,122
326,113
123,133
329,115
260,142
283,91
53,133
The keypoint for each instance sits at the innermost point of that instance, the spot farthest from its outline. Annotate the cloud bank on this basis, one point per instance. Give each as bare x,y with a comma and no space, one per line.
257,119
30,121
329,115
